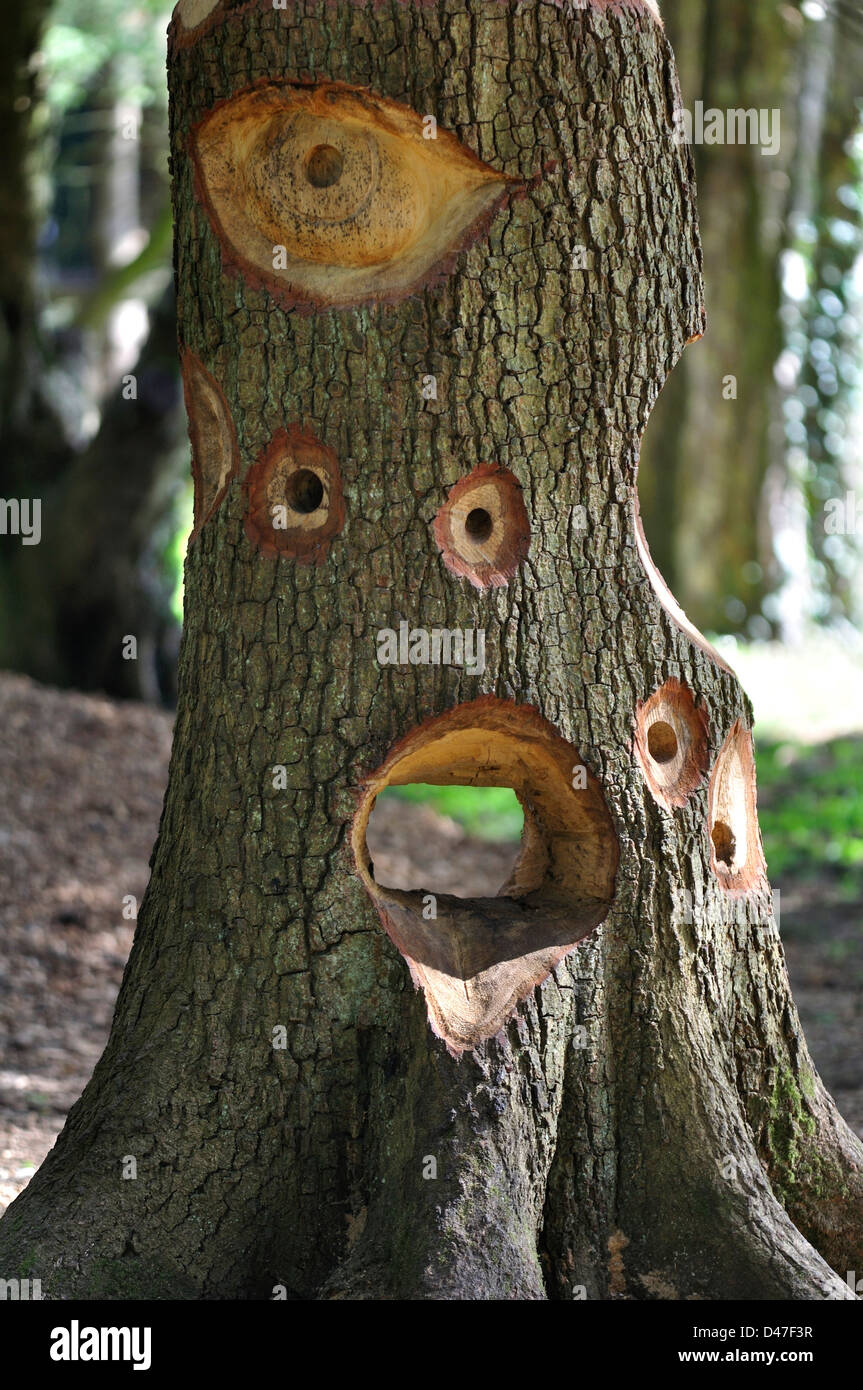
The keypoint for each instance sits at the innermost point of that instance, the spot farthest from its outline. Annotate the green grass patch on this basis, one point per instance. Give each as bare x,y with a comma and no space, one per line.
487,813
810,805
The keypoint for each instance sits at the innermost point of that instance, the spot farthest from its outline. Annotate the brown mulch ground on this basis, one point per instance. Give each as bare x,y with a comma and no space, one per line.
82,782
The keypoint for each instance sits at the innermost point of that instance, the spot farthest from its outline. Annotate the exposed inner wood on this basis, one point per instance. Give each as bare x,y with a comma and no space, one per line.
671,743
295,497
215,454
191,13
664,594
363,205
482,530
477,959
736,853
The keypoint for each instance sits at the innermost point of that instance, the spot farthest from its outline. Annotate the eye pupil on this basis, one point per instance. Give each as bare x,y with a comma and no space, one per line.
305,491
478,524
324,166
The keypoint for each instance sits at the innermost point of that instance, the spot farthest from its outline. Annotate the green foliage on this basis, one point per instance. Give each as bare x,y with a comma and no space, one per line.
175,551
810,806
488,813
84,35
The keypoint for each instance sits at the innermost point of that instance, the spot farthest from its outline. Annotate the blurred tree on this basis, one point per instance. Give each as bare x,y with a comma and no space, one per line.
104,454
708,446
27,420
715,460
820,370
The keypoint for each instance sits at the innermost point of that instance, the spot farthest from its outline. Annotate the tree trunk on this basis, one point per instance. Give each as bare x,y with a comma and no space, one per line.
638,1117
711,440
68,601
97,576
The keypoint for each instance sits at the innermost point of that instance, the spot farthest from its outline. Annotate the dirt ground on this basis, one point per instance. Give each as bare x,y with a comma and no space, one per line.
82,782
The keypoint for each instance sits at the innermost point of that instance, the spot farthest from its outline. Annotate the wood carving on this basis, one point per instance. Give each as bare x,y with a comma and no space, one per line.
671,743
327,195
295,504
215,455
477,959
666,597
736,853
192,13
192,19
482,529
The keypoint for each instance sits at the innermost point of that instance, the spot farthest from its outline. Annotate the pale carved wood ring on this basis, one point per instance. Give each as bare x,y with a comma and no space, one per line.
671,743
482,530
295,500
327,195
215,454
736,852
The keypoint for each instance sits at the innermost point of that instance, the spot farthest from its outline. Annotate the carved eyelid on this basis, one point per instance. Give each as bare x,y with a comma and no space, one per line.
328,195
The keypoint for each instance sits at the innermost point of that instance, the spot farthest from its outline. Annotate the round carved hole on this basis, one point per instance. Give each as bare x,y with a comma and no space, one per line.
478,524
671,743
736,856
324,166
304,491
724,843
482,530
661,742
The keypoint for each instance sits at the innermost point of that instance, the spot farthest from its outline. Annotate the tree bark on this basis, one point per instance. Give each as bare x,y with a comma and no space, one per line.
647,1123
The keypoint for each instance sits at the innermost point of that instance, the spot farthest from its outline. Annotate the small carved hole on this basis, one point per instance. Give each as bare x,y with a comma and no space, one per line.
324,165
478,524
724,843
304,491
661,742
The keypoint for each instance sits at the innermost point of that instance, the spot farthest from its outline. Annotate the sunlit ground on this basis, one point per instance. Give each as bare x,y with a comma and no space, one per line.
803,694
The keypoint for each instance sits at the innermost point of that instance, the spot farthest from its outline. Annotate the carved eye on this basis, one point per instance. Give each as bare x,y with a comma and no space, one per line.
295,497
329,195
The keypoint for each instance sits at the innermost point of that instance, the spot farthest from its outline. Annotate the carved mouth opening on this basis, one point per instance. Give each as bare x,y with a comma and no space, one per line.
416,843
477,958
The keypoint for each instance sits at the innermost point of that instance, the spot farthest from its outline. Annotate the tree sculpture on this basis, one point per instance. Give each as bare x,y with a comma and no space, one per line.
434,263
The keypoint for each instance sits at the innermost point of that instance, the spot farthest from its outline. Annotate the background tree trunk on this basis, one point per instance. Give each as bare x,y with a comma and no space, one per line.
586,1148
705,524
97,576
67,603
